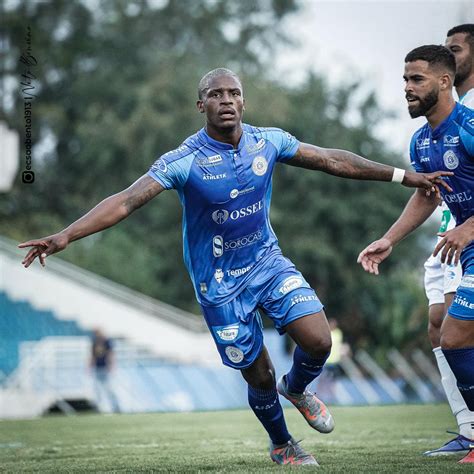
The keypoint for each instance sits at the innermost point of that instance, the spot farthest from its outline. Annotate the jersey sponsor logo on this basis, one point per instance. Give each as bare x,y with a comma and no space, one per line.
449,140
210,160
212,177
422,143
218,275
218,246
257,147
227,333
458,197
237,272
244,241
221,215
234,354
451,161
290,284
161,165
424,159
302,299
467,281
259,165
235,192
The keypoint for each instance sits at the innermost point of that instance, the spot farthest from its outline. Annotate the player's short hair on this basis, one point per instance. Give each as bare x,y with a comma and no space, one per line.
435,55
468,29
207,78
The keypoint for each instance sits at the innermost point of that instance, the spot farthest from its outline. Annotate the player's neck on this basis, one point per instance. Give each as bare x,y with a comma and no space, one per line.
466,86
230,136
440,111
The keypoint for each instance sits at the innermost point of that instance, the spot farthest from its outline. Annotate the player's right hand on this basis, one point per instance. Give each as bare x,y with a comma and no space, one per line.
374,254
41,248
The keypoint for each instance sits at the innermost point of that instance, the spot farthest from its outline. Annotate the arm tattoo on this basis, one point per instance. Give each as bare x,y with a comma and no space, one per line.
340,163
140,192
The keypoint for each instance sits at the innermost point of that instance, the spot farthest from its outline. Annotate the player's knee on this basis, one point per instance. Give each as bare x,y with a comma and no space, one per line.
318,347
434,335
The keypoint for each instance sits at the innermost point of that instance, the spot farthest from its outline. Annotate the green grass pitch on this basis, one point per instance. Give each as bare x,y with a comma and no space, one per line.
366,439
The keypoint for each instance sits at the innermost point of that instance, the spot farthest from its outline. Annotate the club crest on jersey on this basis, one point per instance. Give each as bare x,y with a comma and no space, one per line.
259,165
218,275
451,161
234,354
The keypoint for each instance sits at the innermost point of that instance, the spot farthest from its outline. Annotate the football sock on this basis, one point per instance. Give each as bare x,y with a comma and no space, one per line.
266,406
464,417
461,362
304,370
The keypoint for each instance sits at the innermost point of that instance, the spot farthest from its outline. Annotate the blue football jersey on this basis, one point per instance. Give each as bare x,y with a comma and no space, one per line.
225,194
449,147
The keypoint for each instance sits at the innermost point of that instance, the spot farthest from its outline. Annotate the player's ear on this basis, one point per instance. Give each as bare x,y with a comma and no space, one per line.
200,106
243,108
446,82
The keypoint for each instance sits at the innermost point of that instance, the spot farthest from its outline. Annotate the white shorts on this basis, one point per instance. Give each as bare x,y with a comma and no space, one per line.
440,279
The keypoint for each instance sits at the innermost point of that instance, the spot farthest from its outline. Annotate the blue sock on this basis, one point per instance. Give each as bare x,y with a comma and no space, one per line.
461,362
304,370
266,405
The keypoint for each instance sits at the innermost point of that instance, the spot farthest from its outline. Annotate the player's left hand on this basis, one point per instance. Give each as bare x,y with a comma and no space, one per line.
374,254
430,182
454,241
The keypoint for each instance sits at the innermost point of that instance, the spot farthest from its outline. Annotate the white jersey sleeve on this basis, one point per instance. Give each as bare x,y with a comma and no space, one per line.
468,99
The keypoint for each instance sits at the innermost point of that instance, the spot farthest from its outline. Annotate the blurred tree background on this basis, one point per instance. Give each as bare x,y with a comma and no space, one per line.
115,87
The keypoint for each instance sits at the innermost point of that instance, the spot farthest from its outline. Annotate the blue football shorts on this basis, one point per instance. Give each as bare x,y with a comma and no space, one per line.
463,303
280,290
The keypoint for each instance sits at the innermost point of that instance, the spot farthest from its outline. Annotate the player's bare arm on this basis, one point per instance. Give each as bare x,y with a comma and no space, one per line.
106,214
418,209
349,165
454,241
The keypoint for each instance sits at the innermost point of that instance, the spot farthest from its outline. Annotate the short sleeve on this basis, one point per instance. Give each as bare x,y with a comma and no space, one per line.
171,170
285,143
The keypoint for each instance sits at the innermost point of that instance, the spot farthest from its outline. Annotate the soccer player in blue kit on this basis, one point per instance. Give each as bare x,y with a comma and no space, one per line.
445,142
223,177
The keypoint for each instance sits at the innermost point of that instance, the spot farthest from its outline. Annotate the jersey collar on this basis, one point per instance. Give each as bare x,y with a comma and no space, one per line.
443,126
207,140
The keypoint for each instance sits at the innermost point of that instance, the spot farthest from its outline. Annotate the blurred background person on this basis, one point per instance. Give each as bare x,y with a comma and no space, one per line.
102,363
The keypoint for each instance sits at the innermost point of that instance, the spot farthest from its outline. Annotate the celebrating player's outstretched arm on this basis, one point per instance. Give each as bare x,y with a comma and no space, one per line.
106,214
349,165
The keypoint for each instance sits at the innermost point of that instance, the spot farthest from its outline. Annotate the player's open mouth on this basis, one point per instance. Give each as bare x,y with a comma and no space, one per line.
227,114
410,100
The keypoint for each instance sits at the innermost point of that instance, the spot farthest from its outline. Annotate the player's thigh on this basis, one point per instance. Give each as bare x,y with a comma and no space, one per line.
457,330
236,328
